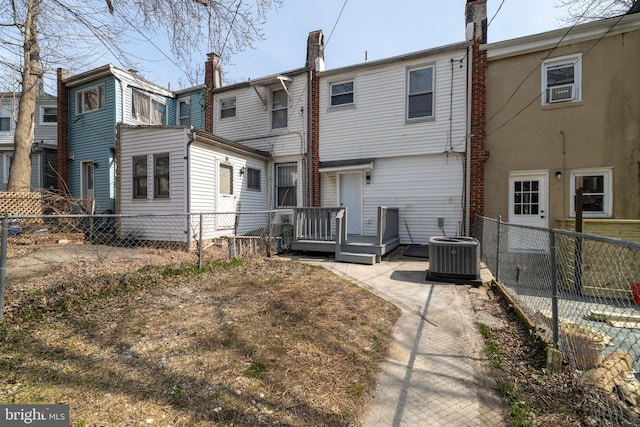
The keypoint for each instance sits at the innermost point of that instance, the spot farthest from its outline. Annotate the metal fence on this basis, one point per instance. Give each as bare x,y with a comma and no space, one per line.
584,292
56,248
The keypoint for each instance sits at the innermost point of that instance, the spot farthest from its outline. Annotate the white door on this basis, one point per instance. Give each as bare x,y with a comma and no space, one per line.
350,196
86,186
528,205
226,197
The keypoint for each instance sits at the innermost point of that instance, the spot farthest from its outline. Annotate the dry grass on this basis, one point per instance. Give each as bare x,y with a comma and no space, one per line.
238,343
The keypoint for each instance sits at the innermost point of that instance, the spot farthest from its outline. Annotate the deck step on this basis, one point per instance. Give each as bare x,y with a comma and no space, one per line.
355,258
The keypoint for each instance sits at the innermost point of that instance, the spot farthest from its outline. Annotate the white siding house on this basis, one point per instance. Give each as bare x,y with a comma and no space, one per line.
186,172
269,114
393,133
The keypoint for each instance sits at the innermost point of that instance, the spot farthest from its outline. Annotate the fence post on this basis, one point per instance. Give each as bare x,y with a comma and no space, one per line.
200,244
3,261
554,286
498,250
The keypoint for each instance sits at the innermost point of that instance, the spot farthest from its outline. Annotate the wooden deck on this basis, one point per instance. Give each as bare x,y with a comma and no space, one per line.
322,230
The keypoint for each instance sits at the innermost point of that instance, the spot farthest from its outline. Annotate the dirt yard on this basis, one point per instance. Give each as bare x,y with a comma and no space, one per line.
239,343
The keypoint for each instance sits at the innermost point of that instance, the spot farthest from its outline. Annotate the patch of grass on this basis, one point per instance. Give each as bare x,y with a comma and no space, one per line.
256,370
493,351
356,390
520,412
485,331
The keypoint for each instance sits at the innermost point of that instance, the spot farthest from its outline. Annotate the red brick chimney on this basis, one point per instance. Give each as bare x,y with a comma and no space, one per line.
476,20
212,80
315,64
63,133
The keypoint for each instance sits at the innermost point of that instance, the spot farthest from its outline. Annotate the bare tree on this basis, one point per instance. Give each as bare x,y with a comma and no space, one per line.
590,10
38,35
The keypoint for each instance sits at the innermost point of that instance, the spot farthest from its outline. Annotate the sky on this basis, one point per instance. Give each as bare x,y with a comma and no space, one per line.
375,28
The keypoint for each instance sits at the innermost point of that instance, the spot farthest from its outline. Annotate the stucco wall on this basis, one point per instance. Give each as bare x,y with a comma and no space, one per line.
602,130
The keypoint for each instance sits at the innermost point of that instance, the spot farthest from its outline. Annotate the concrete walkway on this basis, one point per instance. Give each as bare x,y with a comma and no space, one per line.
436,372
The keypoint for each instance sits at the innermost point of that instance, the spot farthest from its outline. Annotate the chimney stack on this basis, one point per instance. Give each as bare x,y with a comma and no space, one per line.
315,64
476,30
212,80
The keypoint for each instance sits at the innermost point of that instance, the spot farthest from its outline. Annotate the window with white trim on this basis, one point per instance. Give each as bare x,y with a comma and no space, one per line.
184,112
161,176
8,159
279,109
341,93
147,109
597,192
227,107
286,185
90,99
48,115
562,79
254,179
140,177
420,93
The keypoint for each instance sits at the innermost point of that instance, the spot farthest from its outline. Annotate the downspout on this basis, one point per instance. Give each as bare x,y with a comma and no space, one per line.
310,171
467,183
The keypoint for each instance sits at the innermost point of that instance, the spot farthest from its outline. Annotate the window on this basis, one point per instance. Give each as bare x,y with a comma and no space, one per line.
48,115
226,179
8,159
184,112
279,109
286,185
342,93
90,99
146,109
140,177
161,176
561,79
5,124
420,93
597,192
254,179
526,197
227,108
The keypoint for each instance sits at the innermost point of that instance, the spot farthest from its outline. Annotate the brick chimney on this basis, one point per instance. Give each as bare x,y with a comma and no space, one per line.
63,132
212,80
315,64
476,31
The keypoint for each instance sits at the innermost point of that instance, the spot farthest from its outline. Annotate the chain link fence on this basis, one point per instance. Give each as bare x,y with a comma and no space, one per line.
583,292
57,248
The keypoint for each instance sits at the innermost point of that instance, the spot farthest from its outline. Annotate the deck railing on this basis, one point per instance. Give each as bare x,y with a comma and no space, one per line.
388,223
315,223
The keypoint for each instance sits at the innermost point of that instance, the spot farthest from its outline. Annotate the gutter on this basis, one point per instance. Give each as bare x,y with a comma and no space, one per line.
191,140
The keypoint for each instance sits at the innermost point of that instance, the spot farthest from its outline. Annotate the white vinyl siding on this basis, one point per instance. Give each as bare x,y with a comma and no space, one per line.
252,123
378,128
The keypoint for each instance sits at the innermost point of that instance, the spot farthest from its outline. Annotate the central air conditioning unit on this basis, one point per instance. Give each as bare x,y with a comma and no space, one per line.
560,93
454,259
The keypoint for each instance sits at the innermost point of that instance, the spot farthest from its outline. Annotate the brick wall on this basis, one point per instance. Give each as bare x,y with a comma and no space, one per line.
208,96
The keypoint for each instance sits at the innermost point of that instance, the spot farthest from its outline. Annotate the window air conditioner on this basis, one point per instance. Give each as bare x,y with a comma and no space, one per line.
560,93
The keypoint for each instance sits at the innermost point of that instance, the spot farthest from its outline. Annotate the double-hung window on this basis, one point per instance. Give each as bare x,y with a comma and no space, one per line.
342,93
90,99
161,176
48,115
279,109
227,108
140,177
561,79
597,192
286,185
184,112
146,109
420,93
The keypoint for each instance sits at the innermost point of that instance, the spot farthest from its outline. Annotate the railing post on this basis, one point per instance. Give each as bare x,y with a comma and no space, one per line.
554,286
200,244
3,261
498,250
